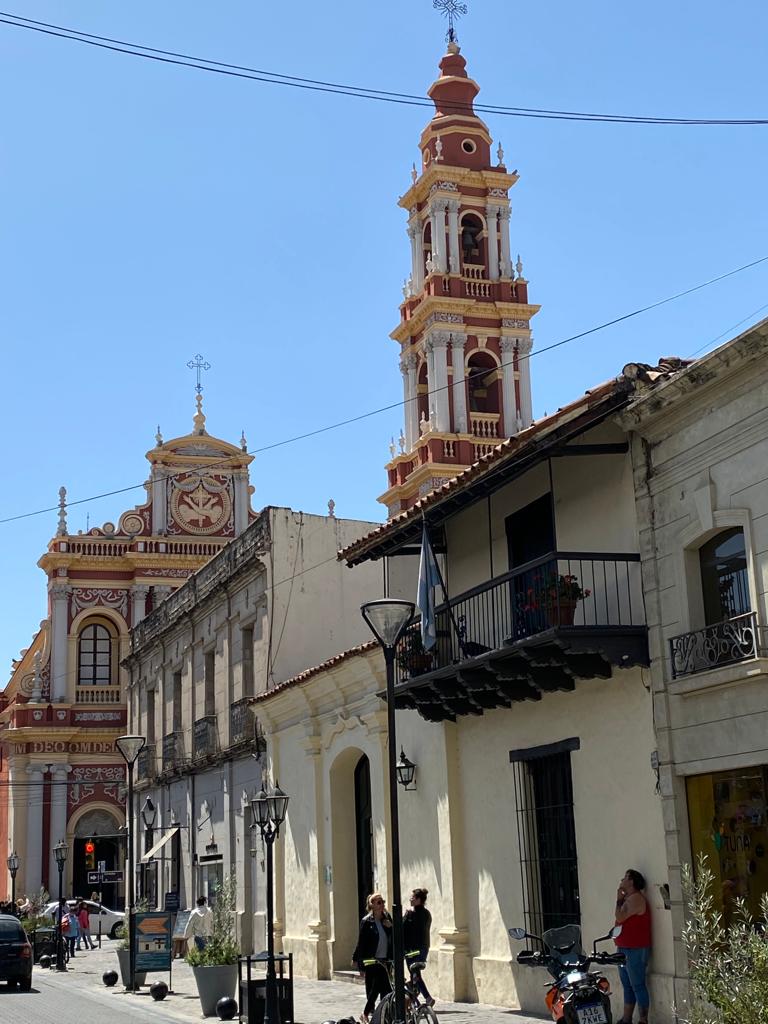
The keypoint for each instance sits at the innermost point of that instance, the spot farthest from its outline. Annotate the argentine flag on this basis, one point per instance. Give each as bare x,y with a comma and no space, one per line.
429,578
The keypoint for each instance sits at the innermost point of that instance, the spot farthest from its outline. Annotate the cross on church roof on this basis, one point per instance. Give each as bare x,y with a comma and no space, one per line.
452,10
199,364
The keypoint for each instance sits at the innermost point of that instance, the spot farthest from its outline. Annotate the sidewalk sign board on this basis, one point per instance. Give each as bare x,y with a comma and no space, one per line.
182,919
152,935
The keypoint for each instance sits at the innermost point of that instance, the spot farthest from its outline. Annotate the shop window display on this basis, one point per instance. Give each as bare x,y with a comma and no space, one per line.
728,820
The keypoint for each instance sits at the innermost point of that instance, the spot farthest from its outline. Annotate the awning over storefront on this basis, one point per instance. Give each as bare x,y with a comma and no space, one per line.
167,836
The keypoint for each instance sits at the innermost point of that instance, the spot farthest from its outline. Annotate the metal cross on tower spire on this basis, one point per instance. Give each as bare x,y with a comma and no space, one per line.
452,10
199,364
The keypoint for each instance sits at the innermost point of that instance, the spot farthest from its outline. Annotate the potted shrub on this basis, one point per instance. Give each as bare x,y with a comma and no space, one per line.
215,966
123,951
412,656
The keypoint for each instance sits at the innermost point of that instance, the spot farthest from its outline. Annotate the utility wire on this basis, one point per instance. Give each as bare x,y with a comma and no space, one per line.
361,92
405,402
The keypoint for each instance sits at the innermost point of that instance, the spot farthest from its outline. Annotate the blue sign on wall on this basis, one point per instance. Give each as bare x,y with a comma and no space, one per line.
152,936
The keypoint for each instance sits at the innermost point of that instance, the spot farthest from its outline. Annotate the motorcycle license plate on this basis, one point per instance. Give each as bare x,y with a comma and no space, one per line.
594,1014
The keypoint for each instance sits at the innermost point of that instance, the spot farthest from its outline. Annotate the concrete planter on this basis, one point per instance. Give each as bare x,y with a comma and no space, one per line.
124,959
213,983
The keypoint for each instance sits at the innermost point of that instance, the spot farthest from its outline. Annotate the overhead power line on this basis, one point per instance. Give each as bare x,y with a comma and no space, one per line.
403,402
340,89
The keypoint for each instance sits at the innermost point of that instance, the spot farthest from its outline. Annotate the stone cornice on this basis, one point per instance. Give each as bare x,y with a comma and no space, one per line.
436,172
498,311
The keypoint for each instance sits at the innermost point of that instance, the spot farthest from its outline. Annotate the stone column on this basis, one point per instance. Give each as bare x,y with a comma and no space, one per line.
458,342
33,851
509,398
160,594
492,214
506,259
430,384
408,368
139,602
454,249
17,798
417,256
58,828
241,501
524,346
159,499
59,629
439,341
438,234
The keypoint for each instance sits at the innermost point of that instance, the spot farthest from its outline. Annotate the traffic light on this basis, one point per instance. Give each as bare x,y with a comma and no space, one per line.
90,855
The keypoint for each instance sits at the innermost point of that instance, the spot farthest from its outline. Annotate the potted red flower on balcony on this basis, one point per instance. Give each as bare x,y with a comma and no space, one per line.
561,595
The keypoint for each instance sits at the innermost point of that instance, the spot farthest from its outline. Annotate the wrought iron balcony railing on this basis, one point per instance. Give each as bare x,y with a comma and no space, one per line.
173,752
562,590
241,722
146,763
204,738
724,643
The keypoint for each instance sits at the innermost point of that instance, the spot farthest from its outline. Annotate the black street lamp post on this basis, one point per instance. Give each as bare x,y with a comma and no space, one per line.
60,853
268,812
130,747
13,867
388,620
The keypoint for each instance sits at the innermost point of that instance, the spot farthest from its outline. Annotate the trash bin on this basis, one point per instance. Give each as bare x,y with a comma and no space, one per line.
252,987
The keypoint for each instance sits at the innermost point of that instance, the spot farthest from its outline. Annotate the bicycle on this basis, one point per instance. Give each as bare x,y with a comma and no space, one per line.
416,1010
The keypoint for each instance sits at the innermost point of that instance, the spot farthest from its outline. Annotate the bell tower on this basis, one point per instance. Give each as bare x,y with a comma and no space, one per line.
464,330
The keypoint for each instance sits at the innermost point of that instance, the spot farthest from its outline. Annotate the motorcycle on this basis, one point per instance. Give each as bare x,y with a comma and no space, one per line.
576,994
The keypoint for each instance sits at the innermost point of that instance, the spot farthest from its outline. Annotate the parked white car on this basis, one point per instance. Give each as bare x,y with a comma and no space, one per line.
111,920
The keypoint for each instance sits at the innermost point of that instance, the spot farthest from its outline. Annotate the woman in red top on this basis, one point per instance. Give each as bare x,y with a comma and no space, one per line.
85,926
633,913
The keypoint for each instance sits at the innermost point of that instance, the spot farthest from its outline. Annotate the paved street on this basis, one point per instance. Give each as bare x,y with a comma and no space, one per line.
79,995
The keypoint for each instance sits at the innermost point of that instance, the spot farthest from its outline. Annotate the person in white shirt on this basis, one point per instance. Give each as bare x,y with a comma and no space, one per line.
200,924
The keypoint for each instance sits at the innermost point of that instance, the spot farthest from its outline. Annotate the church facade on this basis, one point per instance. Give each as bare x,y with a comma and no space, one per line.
65,702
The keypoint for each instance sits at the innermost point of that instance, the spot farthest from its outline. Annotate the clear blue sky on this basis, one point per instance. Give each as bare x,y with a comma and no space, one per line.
152,212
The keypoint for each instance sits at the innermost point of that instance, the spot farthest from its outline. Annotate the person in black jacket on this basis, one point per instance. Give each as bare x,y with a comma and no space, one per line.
417,924
373,950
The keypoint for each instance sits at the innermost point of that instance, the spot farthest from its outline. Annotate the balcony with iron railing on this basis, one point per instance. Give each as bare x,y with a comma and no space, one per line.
205,742
723,643
174,755
241,722
563,616
145,764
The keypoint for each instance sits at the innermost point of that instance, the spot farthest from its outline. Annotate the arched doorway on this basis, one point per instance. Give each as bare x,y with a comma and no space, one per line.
352,849
103,828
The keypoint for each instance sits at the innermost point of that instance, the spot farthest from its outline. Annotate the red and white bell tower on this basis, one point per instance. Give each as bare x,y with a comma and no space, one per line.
464,329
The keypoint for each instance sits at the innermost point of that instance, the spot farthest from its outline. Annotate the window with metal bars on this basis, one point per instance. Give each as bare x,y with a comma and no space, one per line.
546,835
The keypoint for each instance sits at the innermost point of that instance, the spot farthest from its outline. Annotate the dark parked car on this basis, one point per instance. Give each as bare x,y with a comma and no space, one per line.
15,954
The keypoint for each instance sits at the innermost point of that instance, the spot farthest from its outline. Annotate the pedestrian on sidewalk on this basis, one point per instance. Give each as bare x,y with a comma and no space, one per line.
633,913
373,952
84,921
200,924
70,929
417,924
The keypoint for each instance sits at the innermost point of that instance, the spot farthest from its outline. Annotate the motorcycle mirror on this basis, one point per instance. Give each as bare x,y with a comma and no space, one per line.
518,933
616,931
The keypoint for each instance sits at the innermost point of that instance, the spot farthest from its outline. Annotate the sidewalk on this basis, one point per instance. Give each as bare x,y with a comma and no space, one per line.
314,1001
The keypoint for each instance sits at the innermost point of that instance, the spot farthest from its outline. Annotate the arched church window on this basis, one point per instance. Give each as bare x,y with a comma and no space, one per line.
471,239
422,392
426,246
483,383
724,576
94,656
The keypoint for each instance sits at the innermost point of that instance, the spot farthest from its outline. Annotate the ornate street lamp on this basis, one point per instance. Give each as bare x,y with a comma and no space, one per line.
388,619
130,747
13,867
406,772
269,811
148,815
60,852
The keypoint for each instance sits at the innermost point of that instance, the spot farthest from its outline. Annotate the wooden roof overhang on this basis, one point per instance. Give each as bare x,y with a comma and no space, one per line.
523,670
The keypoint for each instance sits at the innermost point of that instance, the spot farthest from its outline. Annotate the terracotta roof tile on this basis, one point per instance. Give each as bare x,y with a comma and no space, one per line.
308,673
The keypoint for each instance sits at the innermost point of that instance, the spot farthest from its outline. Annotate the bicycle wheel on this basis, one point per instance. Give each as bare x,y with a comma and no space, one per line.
425,1015
384,1011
